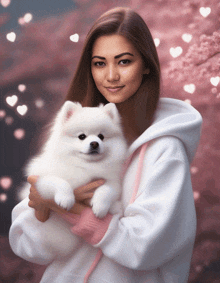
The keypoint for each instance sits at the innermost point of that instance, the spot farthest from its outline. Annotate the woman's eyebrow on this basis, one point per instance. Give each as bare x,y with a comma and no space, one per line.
116,57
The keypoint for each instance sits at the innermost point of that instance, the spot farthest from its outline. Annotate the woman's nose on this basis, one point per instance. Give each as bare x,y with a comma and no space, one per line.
112,74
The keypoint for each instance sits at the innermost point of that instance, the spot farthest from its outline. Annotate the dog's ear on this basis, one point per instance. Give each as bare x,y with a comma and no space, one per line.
112,111
68,110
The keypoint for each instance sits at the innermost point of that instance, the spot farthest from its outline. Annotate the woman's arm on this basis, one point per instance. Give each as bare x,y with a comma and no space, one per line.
43,207
36,241
40,242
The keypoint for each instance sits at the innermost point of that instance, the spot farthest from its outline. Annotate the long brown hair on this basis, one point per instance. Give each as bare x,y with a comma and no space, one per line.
125,22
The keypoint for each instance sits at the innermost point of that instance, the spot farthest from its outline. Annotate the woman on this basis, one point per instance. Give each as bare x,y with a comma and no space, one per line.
153,240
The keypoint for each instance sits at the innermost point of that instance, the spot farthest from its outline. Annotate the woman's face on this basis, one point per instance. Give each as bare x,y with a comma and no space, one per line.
117,67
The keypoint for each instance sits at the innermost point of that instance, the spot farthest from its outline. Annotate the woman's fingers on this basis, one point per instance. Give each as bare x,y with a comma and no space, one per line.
92,186
31,204
42,207
78,208
87,202
86,192
32,179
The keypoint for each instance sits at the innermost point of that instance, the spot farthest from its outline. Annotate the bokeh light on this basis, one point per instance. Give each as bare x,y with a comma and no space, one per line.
22,87
9,120
5,182
5,3
194,170
19,134
3,197
196,195
188,101
2,114
39,103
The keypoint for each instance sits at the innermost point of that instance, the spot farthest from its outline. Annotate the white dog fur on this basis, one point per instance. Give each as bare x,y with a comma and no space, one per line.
86,143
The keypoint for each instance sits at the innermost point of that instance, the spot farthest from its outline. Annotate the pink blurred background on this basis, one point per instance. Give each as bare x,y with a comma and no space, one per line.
38,57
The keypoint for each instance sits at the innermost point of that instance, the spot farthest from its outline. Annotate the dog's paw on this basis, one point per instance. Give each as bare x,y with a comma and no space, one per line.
99,209
65,201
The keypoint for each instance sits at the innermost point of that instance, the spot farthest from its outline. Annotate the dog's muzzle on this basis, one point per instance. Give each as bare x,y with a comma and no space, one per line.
94,147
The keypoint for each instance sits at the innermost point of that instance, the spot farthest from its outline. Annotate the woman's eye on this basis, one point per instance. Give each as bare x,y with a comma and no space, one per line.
82,136
99,64
124,62
101,137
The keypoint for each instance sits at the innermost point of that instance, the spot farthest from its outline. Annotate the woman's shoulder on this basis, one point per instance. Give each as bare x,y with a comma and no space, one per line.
165,148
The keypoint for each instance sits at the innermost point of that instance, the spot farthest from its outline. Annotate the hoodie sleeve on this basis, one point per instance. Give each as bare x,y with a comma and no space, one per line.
39,242
161,222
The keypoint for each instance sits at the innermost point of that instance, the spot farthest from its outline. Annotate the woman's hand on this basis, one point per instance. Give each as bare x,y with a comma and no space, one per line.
84,193
42,206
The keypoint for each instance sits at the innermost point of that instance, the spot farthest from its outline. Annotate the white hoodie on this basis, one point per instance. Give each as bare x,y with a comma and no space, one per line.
152,242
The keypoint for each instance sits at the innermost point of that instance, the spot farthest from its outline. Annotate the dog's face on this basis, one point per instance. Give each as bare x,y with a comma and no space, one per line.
90,133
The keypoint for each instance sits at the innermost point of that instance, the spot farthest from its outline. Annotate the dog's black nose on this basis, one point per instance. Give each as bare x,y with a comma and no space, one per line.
94,145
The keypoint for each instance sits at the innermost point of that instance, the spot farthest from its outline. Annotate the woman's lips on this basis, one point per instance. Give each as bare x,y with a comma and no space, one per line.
114,89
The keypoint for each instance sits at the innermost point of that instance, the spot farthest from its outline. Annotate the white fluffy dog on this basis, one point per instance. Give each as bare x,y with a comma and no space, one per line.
86,143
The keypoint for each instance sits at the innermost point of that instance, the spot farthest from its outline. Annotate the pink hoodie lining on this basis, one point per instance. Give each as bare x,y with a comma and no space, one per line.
139,171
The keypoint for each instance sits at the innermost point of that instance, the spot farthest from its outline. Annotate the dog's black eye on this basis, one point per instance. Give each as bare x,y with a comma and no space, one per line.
101,137
82,136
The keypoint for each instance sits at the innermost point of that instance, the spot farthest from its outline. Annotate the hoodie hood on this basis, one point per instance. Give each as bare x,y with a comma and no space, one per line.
174,118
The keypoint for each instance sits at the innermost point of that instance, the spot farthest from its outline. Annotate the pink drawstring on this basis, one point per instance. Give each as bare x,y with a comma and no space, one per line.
136,186
92,267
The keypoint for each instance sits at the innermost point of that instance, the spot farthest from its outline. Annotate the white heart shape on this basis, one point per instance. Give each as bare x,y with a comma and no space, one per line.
74,37
176,51
22,109
156,42
187,37
12,100
189,88
22,88
11,36
6,183
215,81
28,17
5,3
205,11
